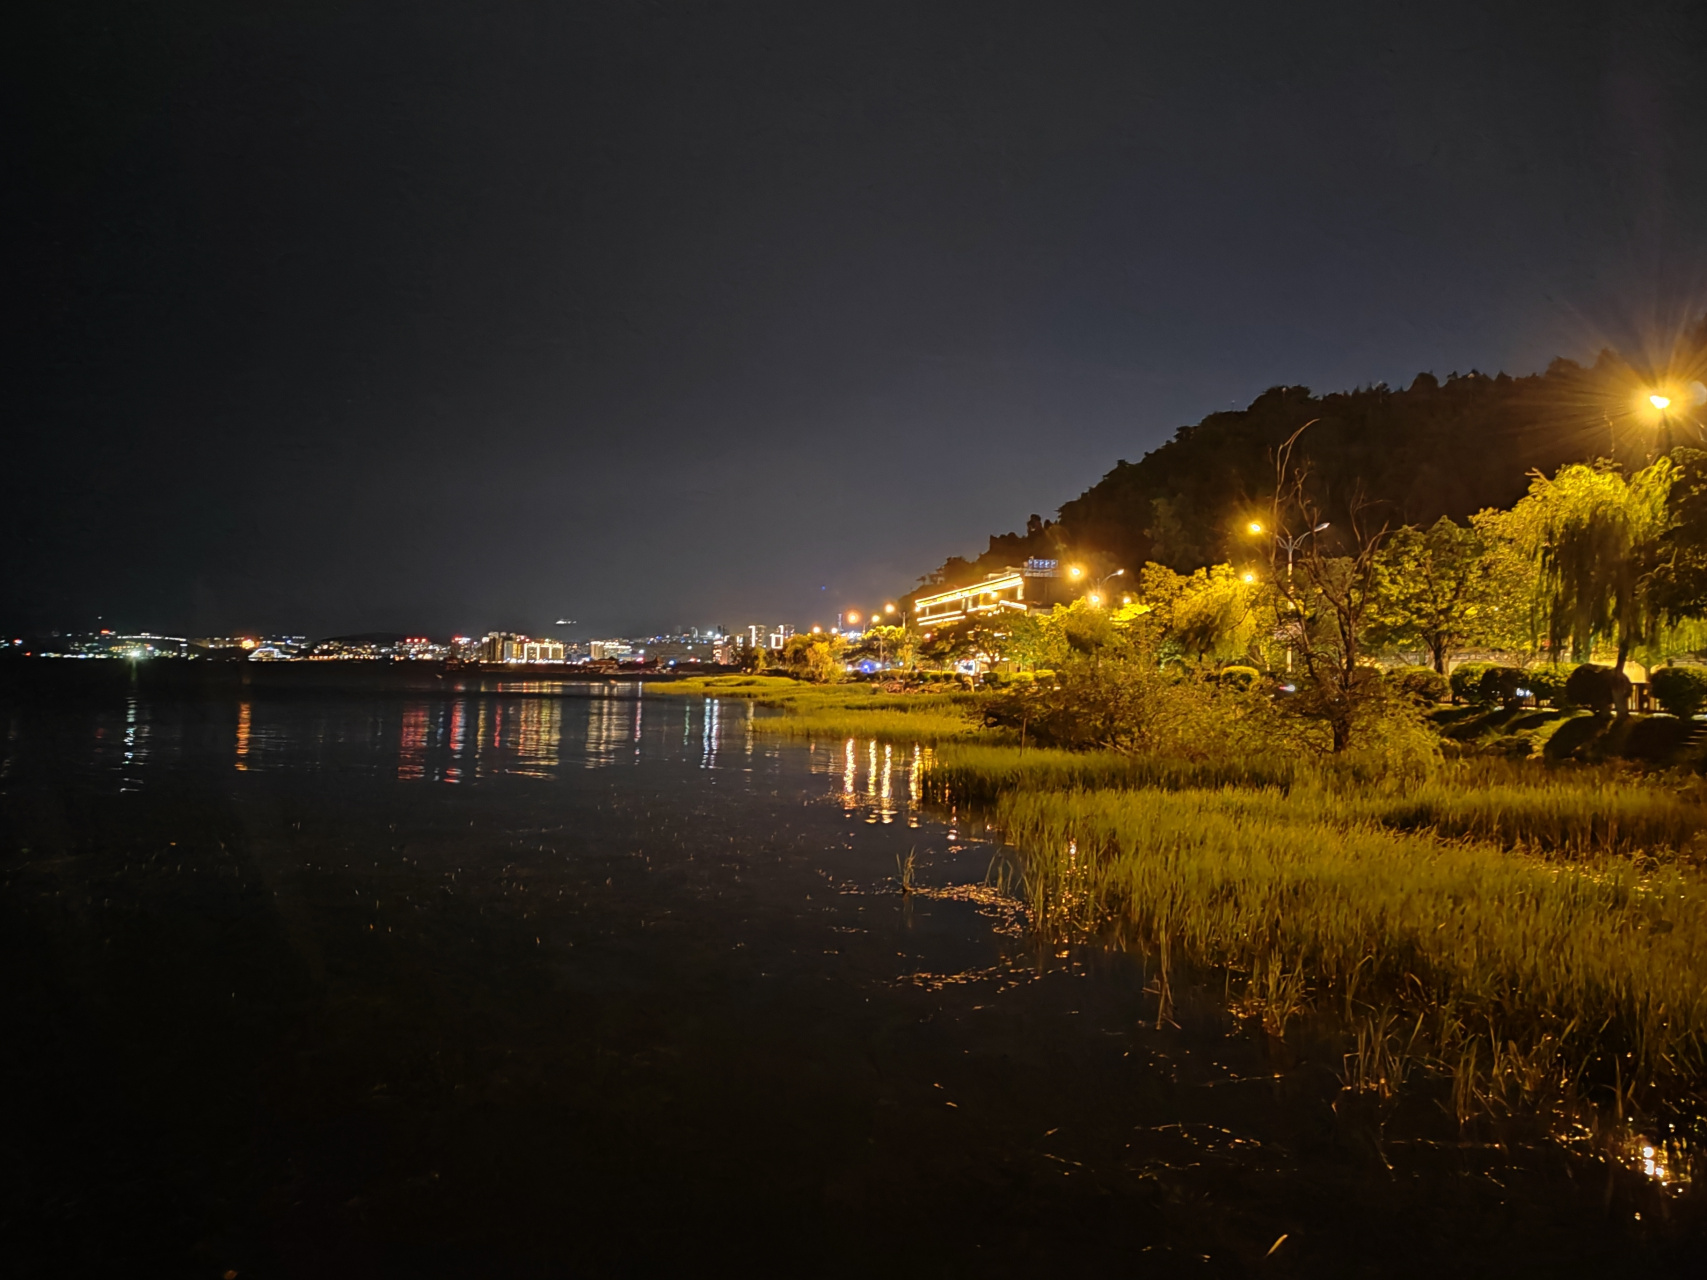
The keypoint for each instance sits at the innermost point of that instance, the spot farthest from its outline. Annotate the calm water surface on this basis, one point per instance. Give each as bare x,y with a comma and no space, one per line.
557,980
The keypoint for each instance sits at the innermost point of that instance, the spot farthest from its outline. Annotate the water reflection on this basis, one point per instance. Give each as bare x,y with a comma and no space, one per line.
527,729
875,796
135,748
412,749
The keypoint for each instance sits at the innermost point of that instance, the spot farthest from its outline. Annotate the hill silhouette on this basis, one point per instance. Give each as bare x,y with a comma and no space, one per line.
1438,447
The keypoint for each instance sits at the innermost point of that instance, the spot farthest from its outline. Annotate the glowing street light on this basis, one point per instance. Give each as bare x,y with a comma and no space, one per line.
1094,598
1074,571
888,608
853,619
1662,403
1254,527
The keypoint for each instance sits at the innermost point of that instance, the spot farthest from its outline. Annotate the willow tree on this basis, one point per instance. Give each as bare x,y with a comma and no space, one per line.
1594,534
1212,613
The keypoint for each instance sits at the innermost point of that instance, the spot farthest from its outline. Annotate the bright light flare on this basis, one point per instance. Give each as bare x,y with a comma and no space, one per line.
1094,598
1075,572
853,619
1253,527
1662,403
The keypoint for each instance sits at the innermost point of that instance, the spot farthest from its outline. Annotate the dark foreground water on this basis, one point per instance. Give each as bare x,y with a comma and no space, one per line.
569,981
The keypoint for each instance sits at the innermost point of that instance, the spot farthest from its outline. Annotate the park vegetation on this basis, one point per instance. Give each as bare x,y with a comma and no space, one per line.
1384,773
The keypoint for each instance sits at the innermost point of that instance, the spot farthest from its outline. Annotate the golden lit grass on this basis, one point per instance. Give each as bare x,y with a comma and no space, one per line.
856,710
923,725
1505,955
726,686
984,770
1575,811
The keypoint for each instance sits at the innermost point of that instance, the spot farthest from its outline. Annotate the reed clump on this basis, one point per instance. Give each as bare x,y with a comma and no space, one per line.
982,771
1577,811
1547,974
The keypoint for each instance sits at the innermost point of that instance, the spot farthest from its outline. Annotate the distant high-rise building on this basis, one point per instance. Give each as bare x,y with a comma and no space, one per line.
542,651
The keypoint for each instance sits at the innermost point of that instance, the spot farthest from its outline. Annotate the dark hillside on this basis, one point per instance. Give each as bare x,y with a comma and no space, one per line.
1435,448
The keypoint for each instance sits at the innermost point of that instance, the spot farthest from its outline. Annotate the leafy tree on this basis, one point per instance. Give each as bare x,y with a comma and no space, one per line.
896,644
1211,613
1513,615
817,657
1596,537
1678,584
1434,588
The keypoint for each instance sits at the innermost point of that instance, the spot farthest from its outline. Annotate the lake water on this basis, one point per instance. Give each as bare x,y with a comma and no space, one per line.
548,980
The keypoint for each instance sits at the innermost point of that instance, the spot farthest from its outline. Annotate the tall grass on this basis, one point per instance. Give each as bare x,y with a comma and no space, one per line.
1597,969
984,770
923,725
1573,812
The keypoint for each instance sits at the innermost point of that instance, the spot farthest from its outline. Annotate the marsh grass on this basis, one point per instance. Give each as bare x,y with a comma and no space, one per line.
1519,975
982,771
1578,811
852,710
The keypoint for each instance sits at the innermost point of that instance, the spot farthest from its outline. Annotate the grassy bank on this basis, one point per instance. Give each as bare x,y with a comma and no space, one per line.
852,710
1536,933
1529,973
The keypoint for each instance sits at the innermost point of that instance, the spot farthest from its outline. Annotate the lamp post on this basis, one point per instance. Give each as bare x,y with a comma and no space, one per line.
1291,543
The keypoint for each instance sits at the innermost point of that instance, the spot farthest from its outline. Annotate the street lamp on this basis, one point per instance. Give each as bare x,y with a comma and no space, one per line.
1291,544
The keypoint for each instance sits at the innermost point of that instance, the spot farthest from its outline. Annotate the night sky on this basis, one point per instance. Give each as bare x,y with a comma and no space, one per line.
432,317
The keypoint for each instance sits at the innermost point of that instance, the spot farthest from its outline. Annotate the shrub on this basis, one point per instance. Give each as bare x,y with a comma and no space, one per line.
1422,683
1239,677
1680,690
1548,682
1465,680
1501,685
1600,689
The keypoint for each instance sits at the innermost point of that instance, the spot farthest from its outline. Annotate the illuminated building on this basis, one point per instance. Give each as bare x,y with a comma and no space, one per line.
542,651
599,650
1015,590
507,646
